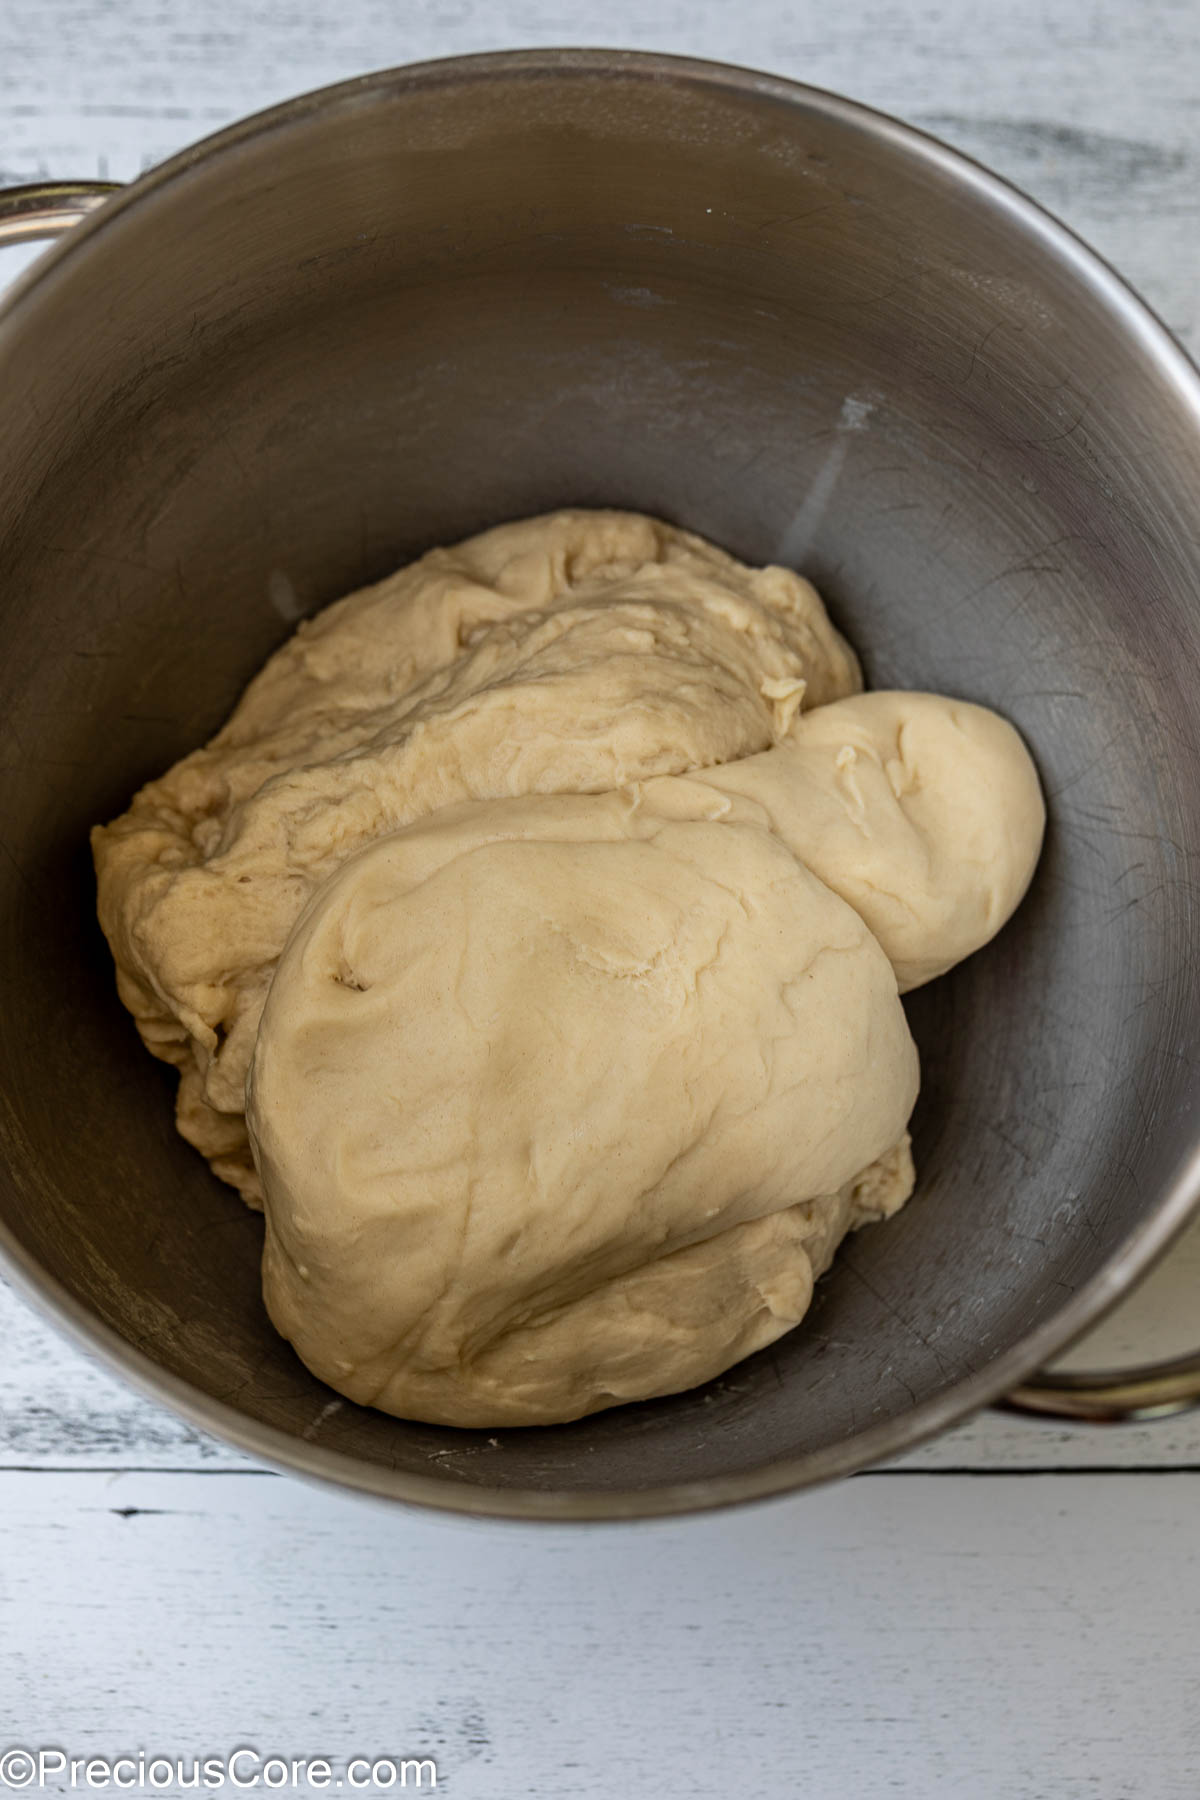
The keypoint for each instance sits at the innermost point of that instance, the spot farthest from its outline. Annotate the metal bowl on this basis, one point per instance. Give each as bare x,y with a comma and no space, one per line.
392,313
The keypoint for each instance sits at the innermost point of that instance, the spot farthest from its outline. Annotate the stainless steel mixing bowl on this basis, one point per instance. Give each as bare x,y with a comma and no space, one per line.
389,314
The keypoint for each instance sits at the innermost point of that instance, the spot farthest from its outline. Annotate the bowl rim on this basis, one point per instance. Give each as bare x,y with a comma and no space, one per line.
1148,1240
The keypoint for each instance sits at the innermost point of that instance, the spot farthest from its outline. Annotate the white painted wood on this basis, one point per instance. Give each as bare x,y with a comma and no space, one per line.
893,1639
908,1634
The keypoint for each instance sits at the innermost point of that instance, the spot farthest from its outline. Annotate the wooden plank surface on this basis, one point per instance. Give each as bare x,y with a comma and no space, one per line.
920,1632
981,1638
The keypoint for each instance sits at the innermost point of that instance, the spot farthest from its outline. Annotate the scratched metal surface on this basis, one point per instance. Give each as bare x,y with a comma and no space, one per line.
961,1624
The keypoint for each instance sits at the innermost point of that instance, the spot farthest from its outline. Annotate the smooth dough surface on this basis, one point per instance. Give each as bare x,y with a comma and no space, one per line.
558,1103
579,882
925,814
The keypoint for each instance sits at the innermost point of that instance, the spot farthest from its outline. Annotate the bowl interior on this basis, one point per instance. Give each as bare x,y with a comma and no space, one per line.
449,297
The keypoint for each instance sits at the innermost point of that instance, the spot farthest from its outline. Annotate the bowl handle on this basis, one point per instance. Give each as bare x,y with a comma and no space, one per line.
1108,1396
47,208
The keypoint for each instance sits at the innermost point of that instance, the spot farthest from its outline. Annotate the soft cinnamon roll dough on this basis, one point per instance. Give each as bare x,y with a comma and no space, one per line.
578,882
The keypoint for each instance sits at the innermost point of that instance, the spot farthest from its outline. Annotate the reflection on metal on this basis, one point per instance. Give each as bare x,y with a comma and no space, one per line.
1109,1396
48,208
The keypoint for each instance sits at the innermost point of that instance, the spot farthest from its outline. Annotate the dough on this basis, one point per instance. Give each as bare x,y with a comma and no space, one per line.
578,882
924,813
559,1102
570,653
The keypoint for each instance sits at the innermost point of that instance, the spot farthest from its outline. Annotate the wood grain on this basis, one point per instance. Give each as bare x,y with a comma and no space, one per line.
983,1638
1002,1636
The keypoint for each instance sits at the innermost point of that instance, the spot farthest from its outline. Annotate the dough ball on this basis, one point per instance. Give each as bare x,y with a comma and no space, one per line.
571,653
924,813
562,1102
